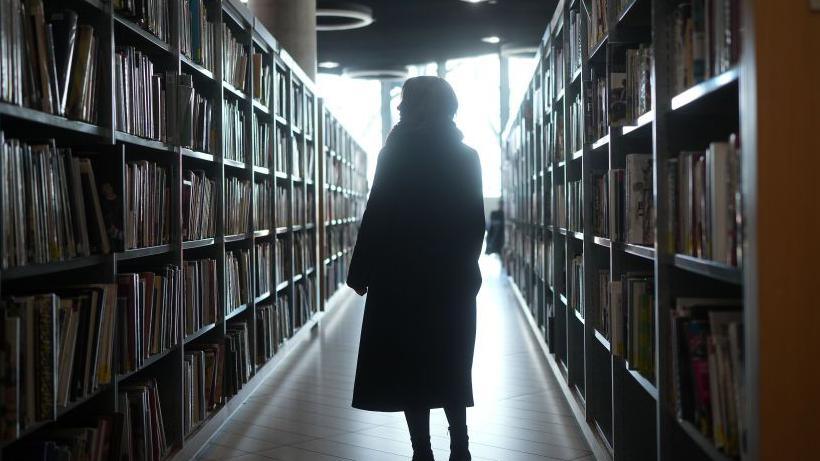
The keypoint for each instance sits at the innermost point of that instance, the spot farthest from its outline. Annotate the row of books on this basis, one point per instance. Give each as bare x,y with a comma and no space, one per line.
151,305
198,35
196,123
298,206
631,311
202,374
198,206
577,136
143,432
298,161
282,207
340,174
147,205
201,294
574,35
237,205
596,111
339,238
705,202
305,303
557,71
237,280
261,144
97,439
152,15
264,259
262,79
280,77
598,27
558,154
234,59
49,65
233,131
50,205
283,142
623,209
631,85
238,363
144,107
273,327
282,271
575,285
575,206
708,369
38,375
262,205
298,252
706,40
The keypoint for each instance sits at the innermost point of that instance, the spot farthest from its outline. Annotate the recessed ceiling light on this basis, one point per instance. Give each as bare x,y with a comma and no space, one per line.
474,1
493,39
328,65
342,16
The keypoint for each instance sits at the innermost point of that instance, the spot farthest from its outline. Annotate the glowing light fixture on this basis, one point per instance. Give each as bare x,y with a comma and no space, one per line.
342,16
492,39
328,65
378,74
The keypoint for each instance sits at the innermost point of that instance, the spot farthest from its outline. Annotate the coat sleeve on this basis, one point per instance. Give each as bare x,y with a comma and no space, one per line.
476,211
371,229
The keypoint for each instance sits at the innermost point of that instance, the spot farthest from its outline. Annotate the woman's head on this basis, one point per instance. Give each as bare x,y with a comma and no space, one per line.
427,99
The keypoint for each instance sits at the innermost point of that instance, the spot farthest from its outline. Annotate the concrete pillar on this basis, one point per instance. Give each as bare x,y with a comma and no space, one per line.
293,23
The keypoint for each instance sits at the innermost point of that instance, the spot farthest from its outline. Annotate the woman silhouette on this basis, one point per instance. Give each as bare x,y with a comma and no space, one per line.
417,257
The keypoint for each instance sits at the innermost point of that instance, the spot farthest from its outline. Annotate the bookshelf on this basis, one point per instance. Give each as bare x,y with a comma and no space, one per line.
344,183
602,133
235,252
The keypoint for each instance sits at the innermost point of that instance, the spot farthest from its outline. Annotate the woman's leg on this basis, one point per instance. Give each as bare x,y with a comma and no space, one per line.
459,442
418,422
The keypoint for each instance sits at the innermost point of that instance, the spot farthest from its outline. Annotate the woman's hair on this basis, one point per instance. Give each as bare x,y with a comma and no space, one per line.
427,98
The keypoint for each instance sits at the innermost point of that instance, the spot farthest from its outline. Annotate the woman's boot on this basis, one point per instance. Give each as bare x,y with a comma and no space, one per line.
459,444
422,451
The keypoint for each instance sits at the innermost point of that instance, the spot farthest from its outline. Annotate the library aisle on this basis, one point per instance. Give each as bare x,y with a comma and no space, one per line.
303,411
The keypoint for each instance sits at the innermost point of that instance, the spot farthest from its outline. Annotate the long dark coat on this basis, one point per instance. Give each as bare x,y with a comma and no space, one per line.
417,254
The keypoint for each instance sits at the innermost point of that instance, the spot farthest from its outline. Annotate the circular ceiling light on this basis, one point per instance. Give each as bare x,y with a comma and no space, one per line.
342,16
328,65
492,39
395,73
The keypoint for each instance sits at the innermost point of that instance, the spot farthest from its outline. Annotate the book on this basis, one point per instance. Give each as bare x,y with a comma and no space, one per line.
153,16
262,205
597,27
234,59
198,206
260,141
237,280
639,200
143,421
143,94
201,294
147,205
198,34
233,129
264,266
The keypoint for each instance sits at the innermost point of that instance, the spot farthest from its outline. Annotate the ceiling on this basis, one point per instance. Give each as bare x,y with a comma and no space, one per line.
409,32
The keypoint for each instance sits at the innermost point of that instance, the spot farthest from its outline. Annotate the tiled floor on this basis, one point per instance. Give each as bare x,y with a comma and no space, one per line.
303,412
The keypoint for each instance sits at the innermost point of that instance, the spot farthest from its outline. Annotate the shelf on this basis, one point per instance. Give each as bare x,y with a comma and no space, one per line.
601,45
643,382
129,138
261,170
282,286
601,143
702,441
280,120
575,76
235,238
143,252
233,91
234,164
281,230
563,299
562,231
602,339
261,233
705,89
636,250
191,244
261,107
310,272
281,175
261,297
711,269
559,97
297,278
198,333
145,364
34,270
644,120
297,228
578,316
577,235
190,153
236,312
201,71
52,121
577,154
144,34
602,241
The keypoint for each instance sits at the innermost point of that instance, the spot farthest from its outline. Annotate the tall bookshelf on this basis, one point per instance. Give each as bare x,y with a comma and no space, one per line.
278,157
627,410
344,183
